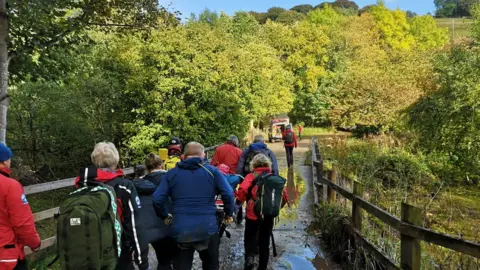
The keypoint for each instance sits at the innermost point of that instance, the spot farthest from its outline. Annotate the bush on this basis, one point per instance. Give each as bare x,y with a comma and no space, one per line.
377,161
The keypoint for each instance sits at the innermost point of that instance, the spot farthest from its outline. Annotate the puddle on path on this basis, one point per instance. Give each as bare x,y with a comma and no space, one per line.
296,254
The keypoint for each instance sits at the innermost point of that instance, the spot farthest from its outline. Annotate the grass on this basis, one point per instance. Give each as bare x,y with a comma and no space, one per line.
316,131
392,175
461,26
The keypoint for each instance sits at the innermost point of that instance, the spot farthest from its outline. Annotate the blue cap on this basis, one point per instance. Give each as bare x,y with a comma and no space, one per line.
5,153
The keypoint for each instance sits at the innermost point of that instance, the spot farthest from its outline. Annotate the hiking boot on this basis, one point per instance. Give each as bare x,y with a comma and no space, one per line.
249,263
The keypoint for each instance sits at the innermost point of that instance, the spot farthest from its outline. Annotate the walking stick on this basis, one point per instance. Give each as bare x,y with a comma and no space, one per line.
273,245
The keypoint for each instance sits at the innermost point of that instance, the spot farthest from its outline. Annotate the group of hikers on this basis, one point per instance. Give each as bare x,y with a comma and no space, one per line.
109,221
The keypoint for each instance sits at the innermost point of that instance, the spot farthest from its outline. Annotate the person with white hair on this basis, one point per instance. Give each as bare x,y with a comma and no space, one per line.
105,159
243,168
191,187
264,190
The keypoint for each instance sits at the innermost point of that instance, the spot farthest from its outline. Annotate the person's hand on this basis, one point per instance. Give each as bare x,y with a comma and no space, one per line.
37,248
168,220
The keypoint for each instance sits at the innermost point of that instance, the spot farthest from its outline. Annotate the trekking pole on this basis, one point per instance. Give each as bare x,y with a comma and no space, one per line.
274,247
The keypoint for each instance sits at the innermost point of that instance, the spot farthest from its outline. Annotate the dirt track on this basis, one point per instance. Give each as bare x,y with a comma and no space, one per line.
296,250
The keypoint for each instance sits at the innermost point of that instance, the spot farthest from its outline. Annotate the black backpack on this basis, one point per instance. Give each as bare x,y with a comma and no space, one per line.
88,230
289,137
269,194
248,159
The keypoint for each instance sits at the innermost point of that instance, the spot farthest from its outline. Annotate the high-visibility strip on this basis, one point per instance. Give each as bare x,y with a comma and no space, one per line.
86,175
12,260
135,232
125,188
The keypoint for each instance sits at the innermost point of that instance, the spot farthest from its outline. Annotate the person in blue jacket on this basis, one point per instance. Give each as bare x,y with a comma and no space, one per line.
243,168
155,231
191,187
257,147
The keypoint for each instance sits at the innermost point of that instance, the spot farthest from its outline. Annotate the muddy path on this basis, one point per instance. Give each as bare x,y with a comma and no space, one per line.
295,248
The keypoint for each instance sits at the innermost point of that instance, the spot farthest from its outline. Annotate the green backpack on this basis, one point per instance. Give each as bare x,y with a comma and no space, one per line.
88,232
269,188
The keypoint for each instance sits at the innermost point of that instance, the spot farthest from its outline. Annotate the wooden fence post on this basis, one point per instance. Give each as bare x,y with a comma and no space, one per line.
332,195
357,212
320,159
411,252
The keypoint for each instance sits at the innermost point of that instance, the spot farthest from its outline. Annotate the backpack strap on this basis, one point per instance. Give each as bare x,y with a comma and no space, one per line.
87,175
209,172
254,183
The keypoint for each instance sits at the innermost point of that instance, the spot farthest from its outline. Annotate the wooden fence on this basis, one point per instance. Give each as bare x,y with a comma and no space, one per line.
50,213
409,225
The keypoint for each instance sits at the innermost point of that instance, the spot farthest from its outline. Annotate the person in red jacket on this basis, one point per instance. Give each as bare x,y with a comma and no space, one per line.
290,141
300,129
228,154
253,225
17,226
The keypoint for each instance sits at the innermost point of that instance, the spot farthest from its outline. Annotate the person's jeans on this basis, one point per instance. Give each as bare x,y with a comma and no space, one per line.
264,228
165,249
207,249
289,150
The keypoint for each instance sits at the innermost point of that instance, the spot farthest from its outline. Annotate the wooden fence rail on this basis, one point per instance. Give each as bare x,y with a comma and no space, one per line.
409,225
50,213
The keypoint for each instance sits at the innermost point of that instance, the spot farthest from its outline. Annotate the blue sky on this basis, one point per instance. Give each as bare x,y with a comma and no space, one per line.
230,6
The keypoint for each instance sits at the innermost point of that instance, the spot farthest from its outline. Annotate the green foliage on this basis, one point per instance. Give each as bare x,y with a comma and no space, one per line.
325,16
454,8
476,22
304,9
393,26
377,164
447,118
35,28
208,16
290,17
342,6
275,12
426,33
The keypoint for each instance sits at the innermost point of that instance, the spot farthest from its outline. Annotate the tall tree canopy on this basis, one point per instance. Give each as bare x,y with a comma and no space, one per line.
29,29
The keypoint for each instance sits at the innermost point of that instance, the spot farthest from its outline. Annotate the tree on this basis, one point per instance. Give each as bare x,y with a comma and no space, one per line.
454,8
303,49
446,8
427,34
411,14
340,5
27,29
208,16
447,117
244,26
393,26
365,9
261,17
304,9
275,12
290,17
476,22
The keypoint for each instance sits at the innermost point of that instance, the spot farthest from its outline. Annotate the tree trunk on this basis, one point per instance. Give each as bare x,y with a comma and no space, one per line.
3,69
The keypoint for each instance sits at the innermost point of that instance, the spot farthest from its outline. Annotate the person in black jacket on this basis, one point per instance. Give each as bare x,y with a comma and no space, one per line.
157,233
105,159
